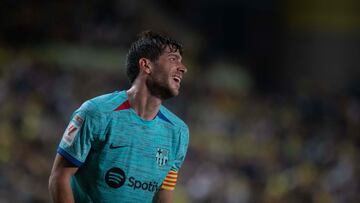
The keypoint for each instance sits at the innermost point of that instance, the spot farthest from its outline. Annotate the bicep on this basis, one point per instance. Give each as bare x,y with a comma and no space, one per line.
62,168
59,181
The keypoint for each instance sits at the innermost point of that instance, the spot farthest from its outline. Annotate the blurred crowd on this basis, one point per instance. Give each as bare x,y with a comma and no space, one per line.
300,144
244,146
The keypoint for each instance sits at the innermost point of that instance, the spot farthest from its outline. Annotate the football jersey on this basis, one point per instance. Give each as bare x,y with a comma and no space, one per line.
122,157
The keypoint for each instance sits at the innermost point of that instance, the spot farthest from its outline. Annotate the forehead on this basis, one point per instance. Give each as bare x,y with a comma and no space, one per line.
171,51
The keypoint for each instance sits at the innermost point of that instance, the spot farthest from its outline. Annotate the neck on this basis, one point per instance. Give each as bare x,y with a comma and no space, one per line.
145,105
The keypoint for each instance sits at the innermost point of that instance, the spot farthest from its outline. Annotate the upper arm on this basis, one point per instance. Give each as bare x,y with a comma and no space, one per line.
165,193
75,143
62,168
183,143
59,180
78,137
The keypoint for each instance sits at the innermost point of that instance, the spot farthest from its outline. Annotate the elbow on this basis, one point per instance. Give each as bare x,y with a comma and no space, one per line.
55,179
58,178
56,184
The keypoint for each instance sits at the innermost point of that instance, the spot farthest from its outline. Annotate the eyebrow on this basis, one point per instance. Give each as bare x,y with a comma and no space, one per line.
176,55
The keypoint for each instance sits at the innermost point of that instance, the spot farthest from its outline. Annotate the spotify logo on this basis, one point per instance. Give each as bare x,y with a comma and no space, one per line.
115,177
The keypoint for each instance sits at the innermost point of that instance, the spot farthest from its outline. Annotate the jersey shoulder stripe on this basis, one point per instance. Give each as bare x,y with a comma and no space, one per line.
172,118
109,102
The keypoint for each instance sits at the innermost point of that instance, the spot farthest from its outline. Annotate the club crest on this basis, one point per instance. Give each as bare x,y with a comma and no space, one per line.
162,156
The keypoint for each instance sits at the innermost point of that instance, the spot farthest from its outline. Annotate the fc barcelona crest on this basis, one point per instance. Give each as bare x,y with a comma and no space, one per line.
162,156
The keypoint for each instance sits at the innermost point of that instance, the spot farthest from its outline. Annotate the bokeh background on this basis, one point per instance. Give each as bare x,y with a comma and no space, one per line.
272,95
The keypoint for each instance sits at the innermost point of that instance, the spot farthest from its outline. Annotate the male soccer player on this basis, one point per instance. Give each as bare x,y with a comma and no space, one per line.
125,146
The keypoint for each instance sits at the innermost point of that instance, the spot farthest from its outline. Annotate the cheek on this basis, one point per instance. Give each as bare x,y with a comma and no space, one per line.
162,72
161,77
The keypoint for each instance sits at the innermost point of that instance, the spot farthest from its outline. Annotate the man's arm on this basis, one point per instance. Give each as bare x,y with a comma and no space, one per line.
59,181
164,196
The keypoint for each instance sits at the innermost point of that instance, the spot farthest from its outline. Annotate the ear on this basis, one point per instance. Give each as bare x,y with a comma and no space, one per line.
145,65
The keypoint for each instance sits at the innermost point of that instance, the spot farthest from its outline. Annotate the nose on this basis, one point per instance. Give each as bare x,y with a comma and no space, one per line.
182,68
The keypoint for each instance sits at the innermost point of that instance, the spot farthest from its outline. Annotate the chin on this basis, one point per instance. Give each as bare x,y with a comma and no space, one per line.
175,93
171,92
163,91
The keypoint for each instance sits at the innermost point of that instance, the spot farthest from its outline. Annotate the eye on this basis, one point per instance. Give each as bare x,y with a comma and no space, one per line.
172,58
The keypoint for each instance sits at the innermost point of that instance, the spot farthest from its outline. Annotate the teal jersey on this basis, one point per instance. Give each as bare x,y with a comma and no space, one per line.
121,157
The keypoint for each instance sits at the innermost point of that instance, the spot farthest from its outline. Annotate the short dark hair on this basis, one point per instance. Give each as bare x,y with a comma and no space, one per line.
149,45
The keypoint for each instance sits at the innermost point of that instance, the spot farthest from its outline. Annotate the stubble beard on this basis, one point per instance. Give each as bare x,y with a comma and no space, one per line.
160,88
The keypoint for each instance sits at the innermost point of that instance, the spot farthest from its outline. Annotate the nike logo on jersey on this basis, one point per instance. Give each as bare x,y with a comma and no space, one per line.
116,146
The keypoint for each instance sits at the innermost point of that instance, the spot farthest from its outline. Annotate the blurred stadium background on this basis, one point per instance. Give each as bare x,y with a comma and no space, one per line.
272,96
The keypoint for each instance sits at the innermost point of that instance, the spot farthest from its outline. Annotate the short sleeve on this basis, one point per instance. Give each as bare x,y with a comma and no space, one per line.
79,134
170,180
182,149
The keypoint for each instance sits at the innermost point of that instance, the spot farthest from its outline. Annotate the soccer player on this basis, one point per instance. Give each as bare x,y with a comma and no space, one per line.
126,146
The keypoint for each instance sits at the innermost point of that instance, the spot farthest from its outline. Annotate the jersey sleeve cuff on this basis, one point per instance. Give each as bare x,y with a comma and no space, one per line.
68,157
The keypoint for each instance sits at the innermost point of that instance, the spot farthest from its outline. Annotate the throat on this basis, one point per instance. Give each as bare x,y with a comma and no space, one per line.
144,105
146,114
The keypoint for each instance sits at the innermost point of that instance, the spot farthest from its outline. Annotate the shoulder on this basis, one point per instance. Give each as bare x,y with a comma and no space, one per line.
175,120
107,102
104,103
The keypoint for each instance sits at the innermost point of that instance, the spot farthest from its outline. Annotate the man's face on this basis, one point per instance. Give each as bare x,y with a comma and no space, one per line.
166,75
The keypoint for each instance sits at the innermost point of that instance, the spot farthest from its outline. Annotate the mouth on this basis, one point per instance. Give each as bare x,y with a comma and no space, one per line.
177,78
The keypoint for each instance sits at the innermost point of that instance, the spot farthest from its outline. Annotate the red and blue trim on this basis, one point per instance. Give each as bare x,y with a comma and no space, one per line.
123,106
126,105
163,117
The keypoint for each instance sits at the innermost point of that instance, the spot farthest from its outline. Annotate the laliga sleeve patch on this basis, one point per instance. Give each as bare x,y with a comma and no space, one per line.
72,130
